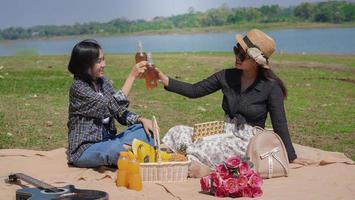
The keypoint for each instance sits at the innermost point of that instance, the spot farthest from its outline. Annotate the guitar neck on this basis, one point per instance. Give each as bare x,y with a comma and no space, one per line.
36,182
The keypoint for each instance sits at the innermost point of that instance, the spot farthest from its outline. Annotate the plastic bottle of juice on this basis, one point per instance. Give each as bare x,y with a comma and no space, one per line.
151,74
134,180
123,170
141,56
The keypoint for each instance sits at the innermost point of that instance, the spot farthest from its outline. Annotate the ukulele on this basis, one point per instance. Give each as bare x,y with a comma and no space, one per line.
44,191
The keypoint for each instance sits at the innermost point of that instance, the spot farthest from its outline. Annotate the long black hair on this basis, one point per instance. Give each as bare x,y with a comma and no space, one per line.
84,55
268,74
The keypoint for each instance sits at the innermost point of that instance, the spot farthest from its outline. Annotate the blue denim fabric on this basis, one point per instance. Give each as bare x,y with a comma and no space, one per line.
106,152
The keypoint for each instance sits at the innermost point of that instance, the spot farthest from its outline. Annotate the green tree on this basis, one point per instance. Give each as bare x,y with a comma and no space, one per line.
304,11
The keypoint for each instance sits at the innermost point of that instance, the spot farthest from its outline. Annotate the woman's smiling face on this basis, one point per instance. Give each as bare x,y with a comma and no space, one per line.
97,71
242,60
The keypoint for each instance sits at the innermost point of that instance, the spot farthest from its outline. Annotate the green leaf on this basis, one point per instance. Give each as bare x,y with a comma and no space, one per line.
236,174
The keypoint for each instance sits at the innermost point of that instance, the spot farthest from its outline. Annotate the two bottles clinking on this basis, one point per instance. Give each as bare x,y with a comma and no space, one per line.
151,74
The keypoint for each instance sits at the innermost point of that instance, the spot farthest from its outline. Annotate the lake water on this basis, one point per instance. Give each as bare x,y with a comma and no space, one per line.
319,41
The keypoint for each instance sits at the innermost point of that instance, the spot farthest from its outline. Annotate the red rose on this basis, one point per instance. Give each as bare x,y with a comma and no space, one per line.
242,181
233,162
255,180
257,192
247,192
221,192
231,185
216,179
244,168
205,183
223,171
237,194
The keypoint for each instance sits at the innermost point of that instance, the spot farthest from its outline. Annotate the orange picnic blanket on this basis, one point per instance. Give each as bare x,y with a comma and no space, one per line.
333,177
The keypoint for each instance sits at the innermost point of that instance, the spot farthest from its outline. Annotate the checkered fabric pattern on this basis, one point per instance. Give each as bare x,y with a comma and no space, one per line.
87,109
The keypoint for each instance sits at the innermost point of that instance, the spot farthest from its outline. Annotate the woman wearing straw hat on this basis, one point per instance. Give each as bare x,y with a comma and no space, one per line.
250,91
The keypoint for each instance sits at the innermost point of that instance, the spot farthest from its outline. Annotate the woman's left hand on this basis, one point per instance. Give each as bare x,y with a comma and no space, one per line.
147,125
164,79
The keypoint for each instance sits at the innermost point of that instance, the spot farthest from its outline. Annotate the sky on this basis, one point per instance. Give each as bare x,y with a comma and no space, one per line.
27,13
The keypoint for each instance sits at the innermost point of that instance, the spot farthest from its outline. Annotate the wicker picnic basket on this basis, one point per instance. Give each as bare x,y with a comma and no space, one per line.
163,171
205,129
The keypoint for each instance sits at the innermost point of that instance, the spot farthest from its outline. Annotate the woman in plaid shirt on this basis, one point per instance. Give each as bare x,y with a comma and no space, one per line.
93,107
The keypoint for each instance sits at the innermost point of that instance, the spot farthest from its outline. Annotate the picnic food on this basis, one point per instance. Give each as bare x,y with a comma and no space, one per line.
145,153
122,165
177,157
134,179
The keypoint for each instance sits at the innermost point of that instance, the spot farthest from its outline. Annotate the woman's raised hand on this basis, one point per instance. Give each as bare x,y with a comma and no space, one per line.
162,78
138,69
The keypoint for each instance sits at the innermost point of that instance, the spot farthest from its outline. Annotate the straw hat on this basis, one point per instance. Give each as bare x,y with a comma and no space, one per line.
254,41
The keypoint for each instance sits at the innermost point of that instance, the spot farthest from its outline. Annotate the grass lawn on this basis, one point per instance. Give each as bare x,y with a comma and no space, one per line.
320,106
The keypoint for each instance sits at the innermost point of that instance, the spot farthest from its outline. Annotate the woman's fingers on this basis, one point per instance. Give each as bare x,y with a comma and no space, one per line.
162,78
147,125
304,162
149,132
146,130
142,69
139,68
141,64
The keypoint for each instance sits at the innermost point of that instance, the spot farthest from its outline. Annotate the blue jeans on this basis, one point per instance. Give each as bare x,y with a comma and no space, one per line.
107,151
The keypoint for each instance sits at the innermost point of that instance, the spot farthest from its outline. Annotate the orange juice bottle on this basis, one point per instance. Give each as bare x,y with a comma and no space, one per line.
151,74
141,56
134,180
123,170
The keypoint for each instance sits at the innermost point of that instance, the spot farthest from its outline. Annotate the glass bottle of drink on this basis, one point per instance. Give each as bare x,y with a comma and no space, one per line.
123,170
151,74
141,56
135,179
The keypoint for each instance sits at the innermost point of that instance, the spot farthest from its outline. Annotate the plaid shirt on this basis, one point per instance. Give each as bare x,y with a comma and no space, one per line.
87,109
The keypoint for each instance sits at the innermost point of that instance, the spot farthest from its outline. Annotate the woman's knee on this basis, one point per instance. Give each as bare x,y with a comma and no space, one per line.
90,159
140,134
113,150
102,156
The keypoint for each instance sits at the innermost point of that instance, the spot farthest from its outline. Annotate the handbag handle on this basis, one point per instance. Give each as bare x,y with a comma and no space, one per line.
156,139
270,155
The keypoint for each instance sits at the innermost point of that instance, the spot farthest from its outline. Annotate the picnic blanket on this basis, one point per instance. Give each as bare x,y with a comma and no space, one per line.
333,177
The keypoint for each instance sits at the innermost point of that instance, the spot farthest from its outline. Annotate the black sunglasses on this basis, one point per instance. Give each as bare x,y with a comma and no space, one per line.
239,52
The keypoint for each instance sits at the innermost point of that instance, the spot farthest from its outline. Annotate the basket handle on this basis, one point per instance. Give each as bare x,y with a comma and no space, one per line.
156,138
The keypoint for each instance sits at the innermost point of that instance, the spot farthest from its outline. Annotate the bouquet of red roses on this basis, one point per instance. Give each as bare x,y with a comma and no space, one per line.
233,178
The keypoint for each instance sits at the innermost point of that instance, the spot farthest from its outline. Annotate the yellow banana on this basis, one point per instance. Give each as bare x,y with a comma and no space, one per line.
143,151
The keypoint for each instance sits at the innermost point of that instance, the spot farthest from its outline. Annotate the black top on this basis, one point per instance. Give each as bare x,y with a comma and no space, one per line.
250,106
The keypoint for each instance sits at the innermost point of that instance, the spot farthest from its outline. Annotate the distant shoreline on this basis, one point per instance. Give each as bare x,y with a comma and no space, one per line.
242,27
